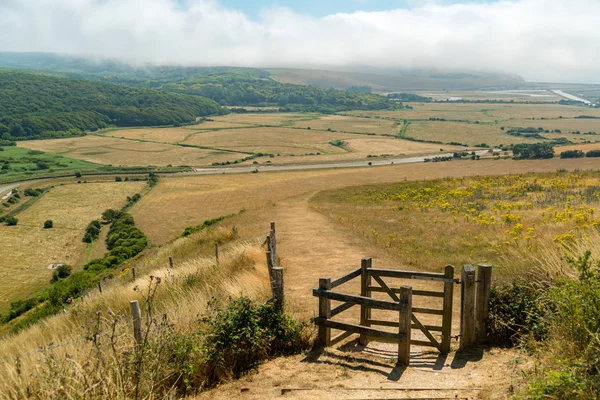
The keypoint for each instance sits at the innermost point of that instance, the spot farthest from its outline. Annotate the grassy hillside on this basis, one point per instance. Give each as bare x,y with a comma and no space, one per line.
39,106
229,86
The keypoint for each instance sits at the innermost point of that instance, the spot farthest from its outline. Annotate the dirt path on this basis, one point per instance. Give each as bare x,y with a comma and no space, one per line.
311,246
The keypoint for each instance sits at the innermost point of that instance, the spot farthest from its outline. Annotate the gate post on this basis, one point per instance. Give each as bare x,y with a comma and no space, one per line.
405,325
324,312
482,310
365,282
467,314
447,317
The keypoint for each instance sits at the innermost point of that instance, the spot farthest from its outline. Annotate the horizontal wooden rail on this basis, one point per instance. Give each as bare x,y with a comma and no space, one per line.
392,324
424,276
374,333
428,293
418,310
346,278
341,308
340,337
365,301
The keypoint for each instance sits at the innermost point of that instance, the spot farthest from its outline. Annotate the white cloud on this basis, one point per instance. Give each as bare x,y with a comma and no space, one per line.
539,39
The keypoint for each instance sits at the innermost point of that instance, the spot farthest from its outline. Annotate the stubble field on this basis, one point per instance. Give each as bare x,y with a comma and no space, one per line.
28,249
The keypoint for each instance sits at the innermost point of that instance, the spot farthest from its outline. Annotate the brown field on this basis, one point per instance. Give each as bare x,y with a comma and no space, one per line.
208,125
470,134
106,150
27,249
351,124
271,119
193,199
564,124
165,135
269,140
483,112
583,147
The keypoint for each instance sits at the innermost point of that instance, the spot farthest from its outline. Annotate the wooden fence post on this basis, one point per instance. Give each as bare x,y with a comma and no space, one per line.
136,313
278,291
405,325
100,287
133,274
447,317
170,262
482,309
324,312
467,314
217,252
365,282
273,243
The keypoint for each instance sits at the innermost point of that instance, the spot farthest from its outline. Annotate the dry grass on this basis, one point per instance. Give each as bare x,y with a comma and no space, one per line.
178,202
566,125
27,249
351,124
182,296
483,112
471,134
269,140
507,221
271,119
109,150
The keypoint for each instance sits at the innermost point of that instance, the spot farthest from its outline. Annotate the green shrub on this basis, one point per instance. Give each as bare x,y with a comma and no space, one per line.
593,153
92,231
62,272
11,221
77,174
242,334
48,224
118,179
516,312
33,192
572,154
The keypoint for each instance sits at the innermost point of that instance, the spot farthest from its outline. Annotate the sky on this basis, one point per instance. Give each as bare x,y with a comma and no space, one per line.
541,40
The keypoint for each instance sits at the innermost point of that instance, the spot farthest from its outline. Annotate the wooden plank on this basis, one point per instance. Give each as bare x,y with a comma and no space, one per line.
366,302
386,288
426,332
340,337
447,316
422,343
324,312
365,281
467,325
426,293
348,277
278,287
392,273
378,322
420,310
341,308
482,308
404,318
363,330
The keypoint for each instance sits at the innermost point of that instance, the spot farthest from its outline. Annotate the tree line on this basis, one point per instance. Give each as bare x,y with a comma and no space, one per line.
34,106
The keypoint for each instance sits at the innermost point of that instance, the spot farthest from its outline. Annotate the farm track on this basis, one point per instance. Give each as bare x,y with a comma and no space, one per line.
310,245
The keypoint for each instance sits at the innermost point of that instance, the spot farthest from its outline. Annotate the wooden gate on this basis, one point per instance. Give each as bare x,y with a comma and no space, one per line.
474,307
446,280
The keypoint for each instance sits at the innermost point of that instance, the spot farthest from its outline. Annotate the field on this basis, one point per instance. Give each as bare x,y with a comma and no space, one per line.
508,221
193,199
27,248
120,152
21,163
315,138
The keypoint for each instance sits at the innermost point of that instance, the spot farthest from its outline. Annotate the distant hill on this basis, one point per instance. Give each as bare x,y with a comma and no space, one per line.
33,105
394,80
229,86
